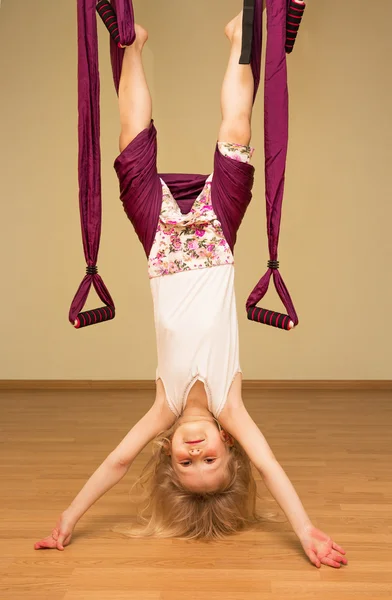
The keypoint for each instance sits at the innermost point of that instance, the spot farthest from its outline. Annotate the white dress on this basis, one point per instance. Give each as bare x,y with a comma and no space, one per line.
197,334
191,269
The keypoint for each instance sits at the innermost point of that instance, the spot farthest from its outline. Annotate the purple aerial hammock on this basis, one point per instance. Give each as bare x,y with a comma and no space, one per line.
283,20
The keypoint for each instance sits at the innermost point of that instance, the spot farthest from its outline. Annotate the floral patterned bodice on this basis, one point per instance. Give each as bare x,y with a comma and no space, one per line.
195,240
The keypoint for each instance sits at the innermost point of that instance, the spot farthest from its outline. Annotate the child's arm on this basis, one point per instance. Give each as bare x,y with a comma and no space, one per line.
110,472
236,420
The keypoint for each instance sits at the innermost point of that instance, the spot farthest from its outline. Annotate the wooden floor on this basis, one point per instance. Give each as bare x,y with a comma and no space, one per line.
335,446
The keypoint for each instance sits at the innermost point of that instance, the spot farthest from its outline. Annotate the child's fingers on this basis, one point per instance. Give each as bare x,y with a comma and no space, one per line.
313,558
336,556
330,562
338,548
38,546
60,542
48,542
63,540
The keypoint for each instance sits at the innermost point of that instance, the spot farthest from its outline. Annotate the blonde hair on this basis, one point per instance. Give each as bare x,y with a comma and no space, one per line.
175,511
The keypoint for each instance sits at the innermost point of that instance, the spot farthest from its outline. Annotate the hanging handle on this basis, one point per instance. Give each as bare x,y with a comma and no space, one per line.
109,18
268,317
96,315
107,312
295,13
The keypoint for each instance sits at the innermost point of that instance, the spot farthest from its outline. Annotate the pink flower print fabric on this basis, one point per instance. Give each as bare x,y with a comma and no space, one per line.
236,151
195,240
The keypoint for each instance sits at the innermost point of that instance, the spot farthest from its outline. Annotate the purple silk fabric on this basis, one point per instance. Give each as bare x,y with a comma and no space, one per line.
136,167
232,183
141,189
276,121
89,153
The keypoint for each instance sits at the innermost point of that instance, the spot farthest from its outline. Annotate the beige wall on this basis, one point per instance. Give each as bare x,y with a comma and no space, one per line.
336,248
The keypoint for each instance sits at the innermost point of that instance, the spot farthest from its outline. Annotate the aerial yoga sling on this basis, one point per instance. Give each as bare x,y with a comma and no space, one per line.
283,20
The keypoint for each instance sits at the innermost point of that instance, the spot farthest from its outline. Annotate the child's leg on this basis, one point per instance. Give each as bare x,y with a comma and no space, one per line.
237,91
134,96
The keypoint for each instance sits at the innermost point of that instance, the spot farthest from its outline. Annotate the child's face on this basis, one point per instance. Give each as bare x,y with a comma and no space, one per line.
200,454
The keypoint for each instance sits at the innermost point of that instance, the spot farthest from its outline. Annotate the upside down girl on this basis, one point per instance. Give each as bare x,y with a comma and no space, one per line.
200,476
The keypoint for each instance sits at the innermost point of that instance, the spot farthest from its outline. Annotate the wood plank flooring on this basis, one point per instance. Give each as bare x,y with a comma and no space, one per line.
336,446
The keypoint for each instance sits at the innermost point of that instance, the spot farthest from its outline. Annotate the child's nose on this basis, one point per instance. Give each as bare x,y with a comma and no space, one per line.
194,451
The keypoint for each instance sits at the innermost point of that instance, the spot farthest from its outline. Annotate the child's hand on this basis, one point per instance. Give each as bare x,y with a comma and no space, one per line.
60,537
320,549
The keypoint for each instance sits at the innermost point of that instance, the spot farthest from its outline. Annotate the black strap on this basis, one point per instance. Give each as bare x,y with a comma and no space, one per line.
247,32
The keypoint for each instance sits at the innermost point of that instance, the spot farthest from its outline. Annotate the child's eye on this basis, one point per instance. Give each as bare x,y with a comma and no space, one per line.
186,464
210,460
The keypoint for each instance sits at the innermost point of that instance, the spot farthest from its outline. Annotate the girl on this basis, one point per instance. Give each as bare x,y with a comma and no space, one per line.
200,476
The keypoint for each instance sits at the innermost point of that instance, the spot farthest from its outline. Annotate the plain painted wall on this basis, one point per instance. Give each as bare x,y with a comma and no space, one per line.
335,249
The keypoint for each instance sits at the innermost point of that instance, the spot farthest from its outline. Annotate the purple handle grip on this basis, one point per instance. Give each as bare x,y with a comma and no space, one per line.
91,317
269,317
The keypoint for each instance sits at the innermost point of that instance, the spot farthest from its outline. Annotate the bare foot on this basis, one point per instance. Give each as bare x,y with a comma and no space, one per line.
234,28
141,38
